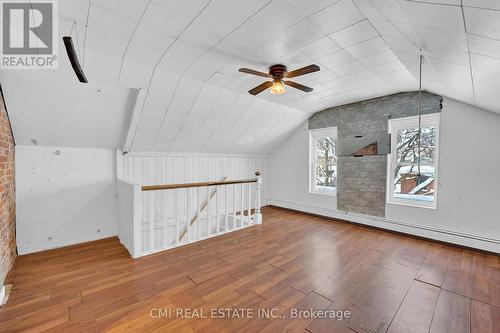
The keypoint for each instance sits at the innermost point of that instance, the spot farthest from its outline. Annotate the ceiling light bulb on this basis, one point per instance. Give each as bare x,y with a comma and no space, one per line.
277,88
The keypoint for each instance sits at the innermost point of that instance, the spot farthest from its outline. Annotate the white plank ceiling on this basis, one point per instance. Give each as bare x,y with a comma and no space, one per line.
185,55
460,40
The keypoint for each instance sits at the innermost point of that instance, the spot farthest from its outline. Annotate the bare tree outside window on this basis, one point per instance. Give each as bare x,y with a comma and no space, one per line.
326,162
410,177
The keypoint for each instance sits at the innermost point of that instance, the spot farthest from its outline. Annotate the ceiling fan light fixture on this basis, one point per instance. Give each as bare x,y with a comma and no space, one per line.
278,87
279,72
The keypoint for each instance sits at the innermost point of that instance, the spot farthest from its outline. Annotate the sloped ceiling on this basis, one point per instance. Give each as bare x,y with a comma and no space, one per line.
460,41
56,110
182,58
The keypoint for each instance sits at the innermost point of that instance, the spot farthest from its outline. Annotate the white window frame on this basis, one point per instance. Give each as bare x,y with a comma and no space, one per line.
314,134
395,125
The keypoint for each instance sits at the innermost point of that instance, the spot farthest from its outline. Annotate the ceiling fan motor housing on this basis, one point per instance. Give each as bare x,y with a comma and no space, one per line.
277,71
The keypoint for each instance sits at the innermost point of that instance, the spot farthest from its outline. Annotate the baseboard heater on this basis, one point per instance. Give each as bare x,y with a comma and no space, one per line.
451,237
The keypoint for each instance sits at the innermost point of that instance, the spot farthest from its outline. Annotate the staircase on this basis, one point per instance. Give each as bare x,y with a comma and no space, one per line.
160,217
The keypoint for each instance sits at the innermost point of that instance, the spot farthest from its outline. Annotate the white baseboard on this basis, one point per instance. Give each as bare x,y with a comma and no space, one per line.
448,236
42,246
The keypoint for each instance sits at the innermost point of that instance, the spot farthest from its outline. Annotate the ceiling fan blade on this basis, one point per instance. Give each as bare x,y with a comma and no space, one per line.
303,71
260,88
251,71
298,86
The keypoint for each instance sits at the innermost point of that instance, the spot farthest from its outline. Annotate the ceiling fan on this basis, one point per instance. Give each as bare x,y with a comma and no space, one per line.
278,73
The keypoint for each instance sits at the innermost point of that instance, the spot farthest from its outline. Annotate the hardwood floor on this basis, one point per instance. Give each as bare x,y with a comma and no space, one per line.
388,282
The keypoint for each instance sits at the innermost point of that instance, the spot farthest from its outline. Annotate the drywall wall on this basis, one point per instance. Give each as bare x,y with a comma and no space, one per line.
7,195
64,196
288,168
469,160
469,190
361,180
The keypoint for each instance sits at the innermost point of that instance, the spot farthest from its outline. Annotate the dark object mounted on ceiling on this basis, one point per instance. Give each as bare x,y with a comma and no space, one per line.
73,59
278,73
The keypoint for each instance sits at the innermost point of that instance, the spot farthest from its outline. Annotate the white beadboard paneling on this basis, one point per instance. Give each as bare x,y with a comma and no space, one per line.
152,168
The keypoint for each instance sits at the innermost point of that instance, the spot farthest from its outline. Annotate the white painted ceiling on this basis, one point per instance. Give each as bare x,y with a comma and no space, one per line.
56,110
460,40
184,57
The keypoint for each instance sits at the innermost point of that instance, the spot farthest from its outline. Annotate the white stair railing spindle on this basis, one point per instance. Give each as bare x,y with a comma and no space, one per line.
209,231
198,227
234,206
225,209
176,213
242,210
187,217
151,216
249,210
217,210
165,219
258,186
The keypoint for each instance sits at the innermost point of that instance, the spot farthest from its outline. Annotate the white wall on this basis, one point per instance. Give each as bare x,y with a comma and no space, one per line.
64,196
469,185
469,162
288,169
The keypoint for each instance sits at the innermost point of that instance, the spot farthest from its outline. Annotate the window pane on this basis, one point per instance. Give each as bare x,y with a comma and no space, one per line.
326,175
325,150
407,145
409,185
326,162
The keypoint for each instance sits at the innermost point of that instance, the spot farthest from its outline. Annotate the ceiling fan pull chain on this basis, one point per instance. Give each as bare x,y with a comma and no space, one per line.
419,141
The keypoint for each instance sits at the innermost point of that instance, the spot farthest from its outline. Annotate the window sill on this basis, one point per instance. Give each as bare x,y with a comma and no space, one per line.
413,204
327,194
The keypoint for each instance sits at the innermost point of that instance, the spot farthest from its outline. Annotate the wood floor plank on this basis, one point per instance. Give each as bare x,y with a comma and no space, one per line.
417,309
281,301
434,266
475,275
292,261
452,314
377,305
296,320
485,318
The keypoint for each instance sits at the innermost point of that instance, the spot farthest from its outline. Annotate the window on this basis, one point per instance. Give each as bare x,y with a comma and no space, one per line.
410,182
323,161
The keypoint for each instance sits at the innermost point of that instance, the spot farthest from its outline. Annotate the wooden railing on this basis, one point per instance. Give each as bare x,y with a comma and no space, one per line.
179,214
202,184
